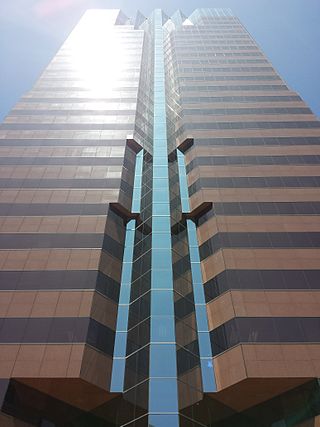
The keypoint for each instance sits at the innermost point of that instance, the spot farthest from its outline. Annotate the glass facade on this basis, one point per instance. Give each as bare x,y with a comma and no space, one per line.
160,233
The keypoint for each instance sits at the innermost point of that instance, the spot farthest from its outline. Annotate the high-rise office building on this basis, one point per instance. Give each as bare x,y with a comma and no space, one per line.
160,233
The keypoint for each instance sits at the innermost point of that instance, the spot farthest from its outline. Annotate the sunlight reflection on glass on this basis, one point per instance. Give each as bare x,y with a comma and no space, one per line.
97,52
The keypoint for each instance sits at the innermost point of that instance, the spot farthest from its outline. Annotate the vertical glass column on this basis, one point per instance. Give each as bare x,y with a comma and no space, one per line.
163,392
205,350
120,346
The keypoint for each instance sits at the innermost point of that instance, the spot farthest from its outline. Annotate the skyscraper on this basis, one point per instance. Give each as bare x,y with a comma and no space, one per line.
160,233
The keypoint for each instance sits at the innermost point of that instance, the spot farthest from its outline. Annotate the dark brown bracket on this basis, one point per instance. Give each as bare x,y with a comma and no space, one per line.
198,212
186,144
133,144
183,147
124,213
172,157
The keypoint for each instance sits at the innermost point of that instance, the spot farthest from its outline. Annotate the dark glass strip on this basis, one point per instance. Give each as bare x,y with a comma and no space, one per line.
223,69
24,142
65,240
75,100
259,240
232,88
265,330
261,208
253,160
282,141
209,78
60,183
57,330
202,49
48,209
60,280
66,126
268,208
241,98
255,182
245,111
65,161
261,280
74,112
42,88
248,125
192,54
196,70
218,61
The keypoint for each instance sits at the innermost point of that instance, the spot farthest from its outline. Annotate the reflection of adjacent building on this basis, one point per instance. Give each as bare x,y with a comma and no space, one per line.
159,233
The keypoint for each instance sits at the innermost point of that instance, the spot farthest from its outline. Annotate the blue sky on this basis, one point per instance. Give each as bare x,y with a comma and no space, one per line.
31,31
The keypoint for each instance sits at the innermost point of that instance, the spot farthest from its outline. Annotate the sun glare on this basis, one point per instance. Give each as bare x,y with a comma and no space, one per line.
96,52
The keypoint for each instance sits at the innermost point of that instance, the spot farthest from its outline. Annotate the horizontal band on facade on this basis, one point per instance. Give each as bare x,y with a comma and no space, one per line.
315,124
260,258
179,38
226,224
211,78
192,55
241,98
247,171
64,161
201,48
63,240
115,183
48,330
52,209
80,84
260,141
230,88
73,89
56,224
261,208
59,303
60,280
259,240
255,182
263,280
201,70
244,111
68,99
262,304
265,330
59,195
67,126
69,112
54,142
253,160
219,61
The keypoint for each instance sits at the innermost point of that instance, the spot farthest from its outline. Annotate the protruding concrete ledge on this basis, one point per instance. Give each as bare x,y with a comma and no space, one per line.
198,212
186,144
123,212
133,144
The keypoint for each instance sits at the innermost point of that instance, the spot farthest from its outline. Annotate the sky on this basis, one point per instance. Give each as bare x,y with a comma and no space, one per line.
31,32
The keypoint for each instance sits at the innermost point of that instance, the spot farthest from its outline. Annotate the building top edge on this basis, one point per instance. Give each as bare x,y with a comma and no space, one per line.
199,12
176,20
